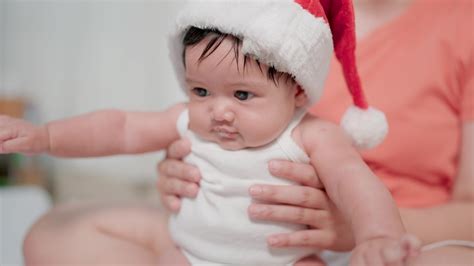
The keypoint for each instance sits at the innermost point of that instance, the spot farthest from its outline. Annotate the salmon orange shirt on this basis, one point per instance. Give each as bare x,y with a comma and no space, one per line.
419,70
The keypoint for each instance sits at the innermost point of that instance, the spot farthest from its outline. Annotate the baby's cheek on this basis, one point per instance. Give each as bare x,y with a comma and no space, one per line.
198,119
261,134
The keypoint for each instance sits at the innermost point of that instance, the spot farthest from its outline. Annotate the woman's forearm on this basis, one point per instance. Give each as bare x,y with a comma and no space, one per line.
453,220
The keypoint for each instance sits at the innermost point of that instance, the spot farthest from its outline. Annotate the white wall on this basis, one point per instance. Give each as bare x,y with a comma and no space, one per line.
72,56
2,24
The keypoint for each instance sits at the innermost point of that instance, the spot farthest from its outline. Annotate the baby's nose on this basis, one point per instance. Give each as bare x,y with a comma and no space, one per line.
223,113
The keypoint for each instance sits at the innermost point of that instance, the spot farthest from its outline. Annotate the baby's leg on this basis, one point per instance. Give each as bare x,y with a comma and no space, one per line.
86,234
313,260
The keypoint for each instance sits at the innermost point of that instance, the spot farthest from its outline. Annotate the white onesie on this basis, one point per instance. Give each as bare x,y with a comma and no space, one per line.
214,228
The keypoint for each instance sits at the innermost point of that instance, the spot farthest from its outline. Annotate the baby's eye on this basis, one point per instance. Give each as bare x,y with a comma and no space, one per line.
200,92
243,95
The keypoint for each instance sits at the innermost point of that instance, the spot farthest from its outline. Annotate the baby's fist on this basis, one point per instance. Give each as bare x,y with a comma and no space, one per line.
20,136
408,247
385,251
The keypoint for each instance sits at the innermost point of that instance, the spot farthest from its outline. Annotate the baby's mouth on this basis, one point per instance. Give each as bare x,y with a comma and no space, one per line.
225,133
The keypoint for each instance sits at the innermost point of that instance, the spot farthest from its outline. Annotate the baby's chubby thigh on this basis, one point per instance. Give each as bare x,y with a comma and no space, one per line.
101,234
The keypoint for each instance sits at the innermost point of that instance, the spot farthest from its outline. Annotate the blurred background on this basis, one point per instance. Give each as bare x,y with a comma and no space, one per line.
60,58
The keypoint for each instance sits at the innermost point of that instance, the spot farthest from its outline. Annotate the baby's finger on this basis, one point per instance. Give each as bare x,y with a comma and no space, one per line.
179,149
293,195
411,245
393,256
374,258
298,172
5,119
15,145
307,238
179,169
7,133
357,259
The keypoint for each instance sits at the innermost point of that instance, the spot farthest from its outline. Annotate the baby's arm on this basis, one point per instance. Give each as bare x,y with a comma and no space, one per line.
362,198
100,133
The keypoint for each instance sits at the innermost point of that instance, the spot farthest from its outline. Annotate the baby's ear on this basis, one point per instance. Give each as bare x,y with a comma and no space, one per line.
300,97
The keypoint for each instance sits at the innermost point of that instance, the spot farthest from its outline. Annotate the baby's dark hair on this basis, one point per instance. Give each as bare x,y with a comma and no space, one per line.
195,35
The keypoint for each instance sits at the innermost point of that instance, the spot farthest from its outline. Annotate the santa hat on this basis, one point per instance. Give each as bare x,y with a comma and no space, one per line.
296,37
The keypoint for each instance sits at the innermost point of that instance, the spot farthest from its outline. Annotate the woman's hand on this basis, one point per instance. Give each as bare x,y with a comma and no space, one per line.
306,204
176,178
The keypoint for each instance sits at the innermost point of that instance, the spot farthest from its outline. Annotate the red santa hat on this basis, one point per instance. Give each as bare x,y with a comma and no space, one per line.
297,37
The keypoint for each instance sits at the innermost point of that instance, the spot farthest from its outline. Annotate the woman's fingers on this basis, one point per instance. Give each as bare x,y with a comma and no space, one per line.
176,178
174,186
172,203
287,214
179,149
173,168
305,238
293,195
172,189
299,172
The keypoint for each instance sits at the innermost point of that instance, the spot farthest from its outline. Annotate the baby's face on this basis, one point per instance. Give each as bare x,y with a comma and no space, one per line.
233,107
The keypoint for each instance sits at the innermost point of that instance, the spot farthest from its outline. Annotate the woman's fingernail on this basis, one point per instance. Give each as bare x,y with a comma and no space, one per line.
273,241
191,189
256,210
175,204
183,145
255,190
273,166
195,175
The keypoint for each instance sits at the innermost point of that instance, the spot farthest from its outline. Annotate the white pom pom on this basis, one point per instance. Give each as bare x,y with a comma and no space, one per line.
367,128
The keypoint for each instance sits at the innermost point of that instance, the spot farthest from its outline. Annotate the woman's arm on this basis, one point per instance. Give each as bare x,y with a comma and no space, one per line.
453,220
361,197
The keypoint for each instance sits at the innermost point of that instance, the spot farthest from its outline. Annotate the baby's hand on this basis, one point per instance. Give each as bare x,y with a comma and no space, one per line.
385,251
20,136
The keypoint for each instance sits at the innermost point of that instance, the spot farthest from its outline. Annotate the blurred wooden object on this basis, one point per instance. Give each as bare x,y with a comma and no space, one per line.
30,174
13,107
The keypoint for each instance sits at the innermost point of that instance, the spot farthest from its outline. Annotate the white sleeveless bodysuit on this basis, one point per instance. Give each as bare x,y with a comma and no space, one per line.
214,228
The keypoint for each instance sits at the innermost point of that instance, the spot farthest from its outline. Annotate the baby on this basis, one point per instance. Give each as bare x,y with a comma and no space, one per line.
249,70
